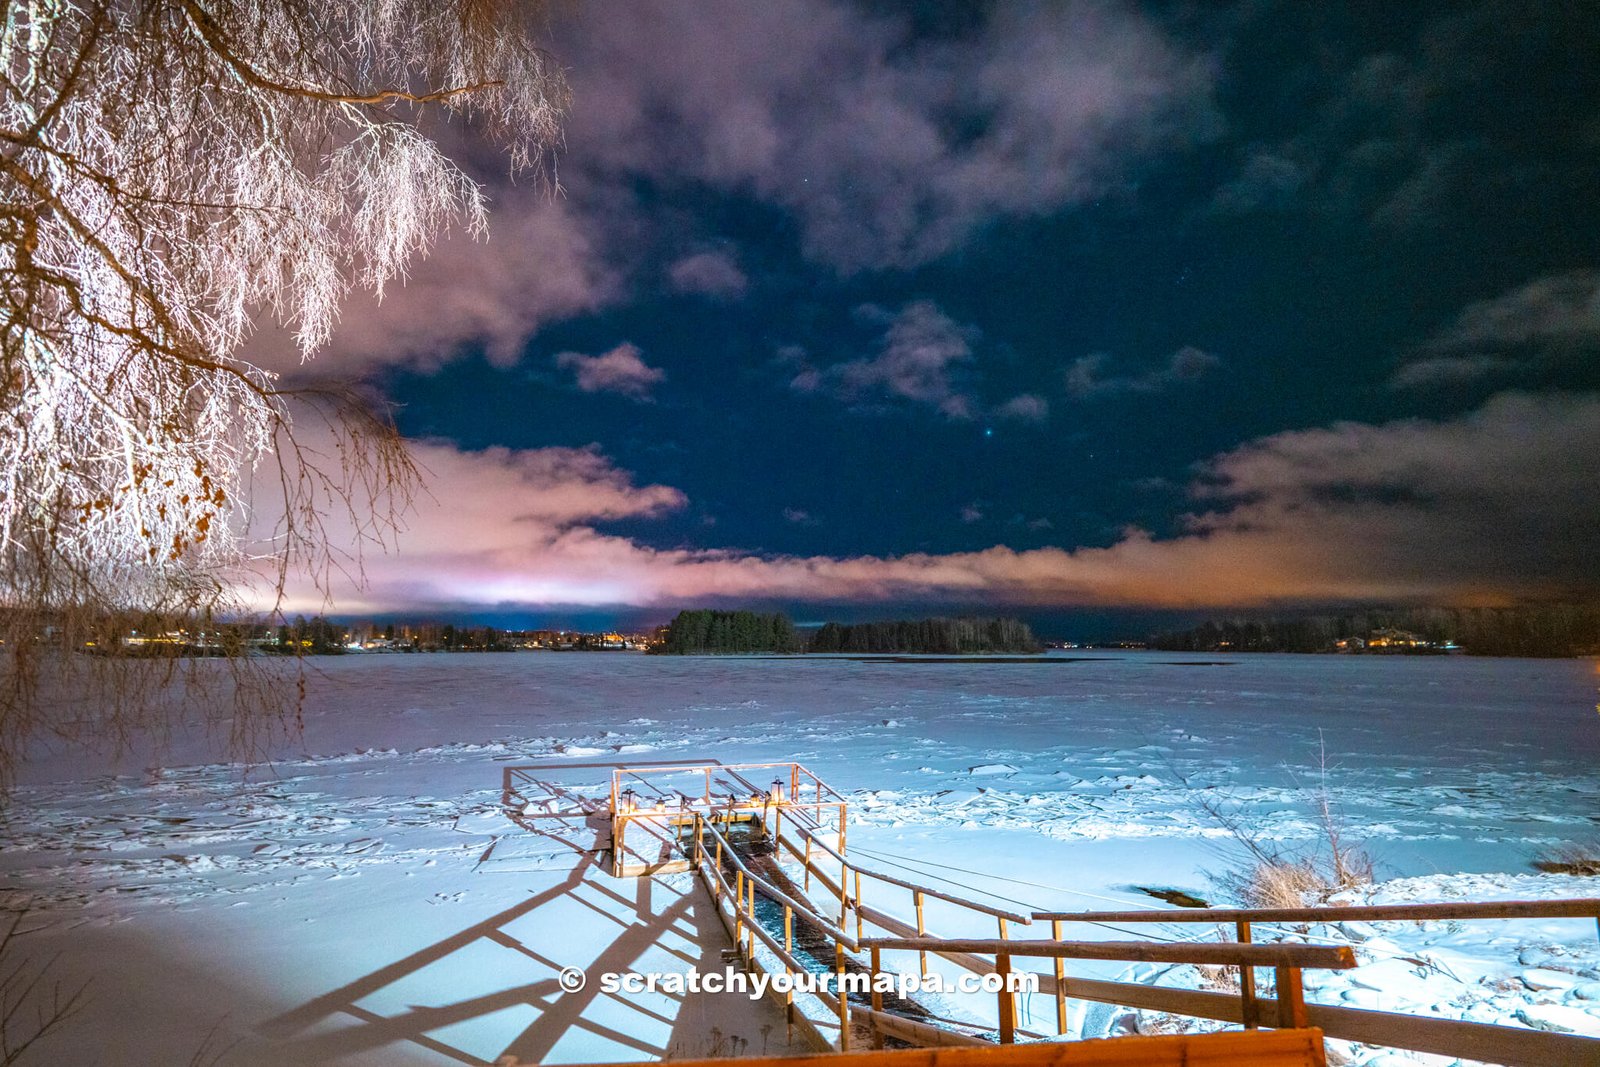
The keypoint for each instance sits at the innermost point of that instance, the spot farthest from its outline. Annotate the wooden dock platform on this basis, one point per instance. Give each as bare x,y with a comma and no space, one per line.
769,843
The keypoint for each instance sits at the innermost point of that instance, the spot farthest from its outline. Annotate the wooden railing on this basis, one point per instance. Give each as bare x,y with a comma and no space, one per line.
798,817
851,871
1264,1048
712,853
1507,1045
797,791
1287,960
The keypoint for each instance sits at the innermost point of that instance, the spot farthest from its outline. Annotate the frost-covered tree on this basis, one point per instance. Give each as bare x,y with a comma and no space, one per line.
171,170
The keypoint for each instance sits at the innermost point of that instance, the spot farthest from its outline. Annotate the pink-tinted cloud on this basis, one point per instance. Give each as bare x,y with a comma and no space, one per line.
816,107
1485,508
621,370
919,361
1086,377
541,262
889,151
708,273
1547,322
1025,407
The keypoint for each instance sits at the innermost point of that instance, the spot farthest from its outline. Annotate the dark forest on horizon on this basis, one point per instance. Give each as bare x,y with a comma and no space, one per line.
705,632
1556,630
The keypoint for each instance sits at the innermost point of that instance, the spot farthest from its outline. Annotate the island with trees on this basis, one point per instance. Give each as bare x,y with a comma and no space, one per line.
704,632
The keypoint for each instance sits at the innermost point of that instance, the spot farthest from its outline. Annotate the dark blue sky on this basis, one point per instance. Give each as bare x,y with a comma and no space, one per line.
858,285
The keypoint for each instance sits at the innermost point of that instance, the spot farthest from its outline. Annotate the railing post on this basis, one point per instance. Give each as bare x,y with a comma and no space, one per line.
844,880
916,896
1061,981
1247,983
877,1001
808,863
844,1001
1291,999
1008,1003
738,910
788,948
858,905
718,883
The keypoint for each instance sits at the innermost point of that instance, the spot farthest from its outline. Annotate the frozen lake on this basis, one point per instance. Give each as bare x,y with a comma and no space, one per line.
273,902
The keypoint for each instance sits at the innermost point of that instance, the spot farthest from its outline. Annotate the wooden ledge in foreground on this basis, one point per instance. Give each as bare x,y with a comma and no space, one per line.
1234,1048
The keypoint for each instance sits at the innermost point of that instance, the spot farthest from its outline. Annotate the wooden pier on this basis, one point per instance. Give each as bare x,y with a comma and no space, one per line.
749,831
654,808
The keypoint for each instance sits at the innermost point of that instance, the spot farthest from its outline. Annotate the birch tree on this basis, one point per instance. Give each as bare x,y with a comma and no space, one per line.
171,171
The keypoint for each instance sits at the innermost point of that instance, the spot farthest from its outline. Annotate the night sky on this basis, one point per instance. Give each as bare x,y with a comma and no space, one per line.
1075,310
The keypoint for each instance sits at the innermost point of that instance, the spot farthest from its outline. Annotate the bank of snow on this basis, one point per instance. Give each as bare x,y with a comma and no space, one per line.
366,897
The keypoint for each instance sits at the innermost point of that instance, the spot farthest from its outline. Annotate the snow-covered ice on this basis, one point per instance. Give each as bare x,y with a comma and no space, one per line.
365,897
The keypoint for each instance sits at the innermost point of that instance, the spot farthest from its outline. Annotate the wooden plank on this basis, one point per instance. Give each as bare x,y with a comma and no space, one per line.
1506,1045
1579,908
915,1031
1257,1048
1317,957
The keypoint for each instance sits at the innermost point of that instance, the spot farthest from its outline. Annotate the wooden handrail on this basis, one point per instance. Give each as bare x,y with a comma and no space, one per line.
1264,1048
1579,908
779,895
1315,957
916,887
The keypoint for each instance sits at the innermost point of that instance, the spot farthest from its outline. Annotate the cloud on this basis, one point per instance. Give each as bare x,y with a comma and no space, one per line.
1086,377
621,370
1267,180
888,150
494,524
1437,371
1486,508
708,273
540,263
1402,137
1026,407
1544,323
918,360
800,517
885,149
1561,307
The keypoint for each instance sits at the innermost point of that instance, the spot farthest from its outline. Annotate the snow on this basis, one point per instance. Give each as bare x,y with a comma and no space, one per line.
365,896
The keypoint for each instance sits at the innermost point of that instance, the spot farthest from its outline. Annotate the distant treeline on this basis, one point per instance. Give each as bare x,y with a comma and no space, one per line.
1547,630
947,636
697,632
